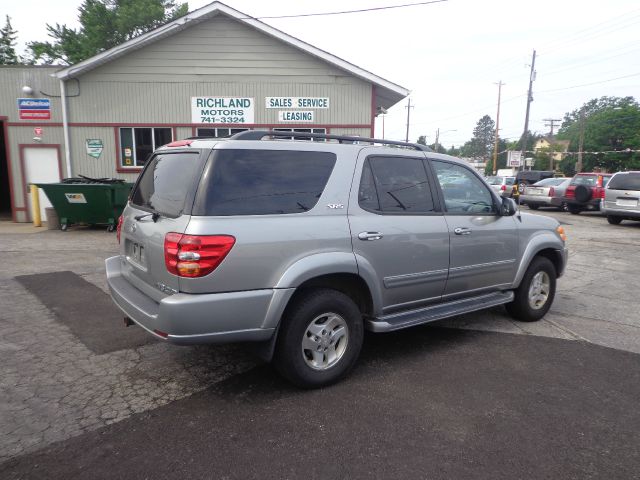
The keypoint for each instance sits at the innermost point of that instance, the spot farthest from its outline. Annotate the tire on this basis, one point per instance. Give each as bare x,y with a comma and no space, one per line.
614,220
574,209
583,193
542,273
111,228
64,227
303,326
533,206
563,207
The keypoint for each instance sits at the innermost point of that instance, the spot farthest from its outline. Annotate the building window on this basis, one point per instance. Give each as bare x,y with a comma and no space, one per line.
137,144
219,132
303,130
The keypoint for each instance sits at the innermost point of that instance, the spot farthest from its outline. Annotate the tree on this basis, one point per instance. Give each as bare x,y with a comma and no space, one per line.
611,129
7,44
481,144
422,140
103,25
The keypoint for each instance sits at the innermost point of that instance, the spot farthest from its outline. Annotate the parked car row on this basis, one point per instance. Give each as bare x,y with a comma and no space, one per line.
616,195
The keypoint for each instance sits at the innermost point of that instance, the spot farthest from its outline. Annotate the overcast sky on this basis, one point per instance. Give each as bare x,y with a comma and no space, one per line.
449,54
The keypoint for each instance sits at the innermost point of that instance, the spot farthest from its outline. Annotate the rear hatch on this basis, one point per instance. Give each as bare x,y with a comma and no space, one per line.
623,191
160,203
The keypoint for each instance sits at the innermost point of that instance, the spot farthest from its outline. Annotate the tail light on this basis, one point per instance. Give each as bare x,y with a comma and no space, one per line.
571,192
551,192
119,228
195,255
598,192
503,187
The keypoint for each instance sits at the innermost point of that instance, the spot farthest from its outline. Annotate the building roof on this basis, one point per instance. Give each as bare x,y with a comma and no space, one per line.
387,93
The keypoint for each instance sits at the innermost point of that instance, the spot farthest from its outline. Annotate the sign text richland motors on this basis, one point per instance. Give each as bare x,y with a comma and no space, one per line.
222,110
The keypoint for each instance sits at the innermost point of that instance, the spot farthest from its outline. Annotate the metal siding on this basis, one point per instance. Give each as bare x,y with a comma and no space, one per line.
12,79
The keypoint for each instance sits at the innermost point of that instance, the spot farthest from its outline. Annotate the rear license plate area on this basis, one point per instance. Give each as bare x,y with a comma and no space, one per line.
136,252
623,202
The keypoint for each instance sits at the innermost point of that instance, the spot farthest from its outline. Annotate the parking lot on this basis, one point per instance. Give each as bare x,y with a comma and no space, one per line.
478,396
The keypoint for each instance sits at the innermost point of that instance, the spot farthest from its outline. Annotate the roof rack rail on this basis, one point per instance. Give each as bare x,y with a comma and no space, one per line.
260,134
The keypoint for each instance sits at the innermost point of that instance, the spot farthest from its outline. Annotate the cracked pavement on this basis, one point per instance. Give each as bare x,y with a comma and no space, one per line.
53,388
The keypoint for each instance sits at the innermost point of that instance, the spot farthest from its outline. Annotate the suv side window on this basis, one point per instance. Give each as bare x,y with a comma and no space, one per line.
395,185
463,191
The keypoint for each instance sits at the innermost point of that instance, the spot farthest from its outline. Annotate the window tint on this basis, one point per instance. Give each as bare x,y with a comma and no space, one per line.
549,182
263,182
510,180
463,192
625,181
395,184
164,184
589,180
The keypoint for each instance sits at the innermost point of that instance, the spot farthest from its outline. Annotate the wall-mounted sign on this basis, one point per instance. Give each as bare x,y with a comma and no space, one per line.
222,110
295,116
94,147
34,108
296,102
37,131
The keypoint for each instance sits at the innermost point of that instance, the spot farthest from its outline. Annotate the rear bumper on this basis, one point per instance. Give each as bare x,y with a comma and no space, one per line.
593,204
620,212
536,200
187,319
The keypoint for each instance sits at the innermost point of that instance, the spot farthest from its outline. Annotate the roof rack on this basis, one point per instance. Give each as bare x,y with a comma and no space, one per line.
260,134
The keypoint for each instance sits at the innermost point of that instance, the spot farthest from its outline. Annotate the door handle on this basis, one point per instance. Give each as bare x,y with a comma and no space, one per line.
369,235
462,231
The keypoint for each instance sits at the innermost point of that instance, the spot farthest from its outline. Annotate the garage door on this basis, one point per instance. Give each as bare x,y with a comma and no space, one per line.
41,165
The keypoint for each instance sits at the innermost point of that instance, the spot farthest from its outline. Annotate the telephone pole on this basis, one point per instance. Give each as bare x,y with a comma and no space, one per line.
408,107
495,144
435,145
532,77
552,123
581,142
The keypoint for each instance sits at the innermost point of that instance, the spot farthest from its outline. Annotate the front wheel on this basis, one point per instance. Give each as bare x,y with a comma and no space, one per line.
534,296
320,338
613,220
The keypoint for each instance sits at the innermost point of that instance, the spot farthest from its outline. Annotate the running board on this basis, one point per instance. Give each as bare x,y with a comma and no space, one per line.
396,321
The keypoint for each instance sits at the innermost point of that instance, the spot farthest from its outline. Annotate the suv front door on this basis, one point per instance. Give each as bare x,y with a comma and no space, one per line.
484,244
398,230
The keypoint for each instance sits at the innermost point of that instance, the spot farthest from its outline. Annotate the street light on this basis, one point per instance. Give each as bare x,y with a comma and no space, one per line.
435,144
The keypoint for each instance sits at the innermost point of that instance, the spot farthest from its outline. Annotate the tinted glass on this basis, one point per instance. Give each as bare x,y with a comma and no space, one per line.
162,136
494,180
510,180
144,145
463,191
367,194
263,182
549,182
589,180
625,181
164,184
401,184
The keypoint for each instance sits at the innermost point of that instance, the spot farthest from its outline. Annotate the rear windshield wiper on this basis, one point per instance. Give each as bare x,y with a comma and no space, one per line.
154,216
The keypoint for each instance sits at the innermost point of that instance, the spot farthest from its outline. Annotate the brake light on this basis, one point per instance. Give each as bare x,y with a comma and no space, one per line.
119,228
195,255
503,188
598,192
551,191
571,192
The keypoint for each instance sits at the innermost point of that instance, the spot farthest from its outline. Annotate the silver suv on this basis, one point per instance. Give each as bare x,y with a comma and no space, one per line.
622,198
302,245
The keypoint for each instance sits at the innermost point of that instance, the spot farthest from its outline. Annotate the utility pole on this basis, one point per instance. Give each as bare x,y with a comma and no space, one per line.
581,143
495,144
408,107
552,123
532,77
435,145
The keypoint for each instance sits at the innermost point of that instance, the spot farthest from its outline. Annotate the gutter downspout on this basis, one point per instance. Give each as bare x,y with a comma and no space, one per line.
65,128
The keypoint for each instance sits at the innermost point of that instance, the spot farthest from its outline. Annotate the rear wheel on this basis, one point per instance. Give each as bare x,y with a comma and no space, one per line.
533,206
320,338
574,209
534,296
564,207
613,220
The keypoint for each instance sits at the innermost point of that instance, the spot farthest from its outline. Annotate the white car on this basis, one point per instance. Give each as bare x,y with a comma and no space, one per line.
502,185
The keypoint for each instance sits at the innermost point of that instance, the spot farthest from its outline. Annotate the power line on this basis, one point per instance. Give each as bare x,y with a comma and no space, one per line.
343,12
589,84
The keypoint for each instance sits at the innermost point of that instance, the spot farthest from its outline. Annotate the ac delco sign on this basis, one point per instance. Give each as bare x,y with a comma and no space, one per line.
34,108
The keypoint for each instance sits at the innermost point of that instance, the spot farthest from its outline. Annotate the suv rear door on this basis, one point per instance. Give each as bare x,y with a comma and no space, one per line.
484,244
160,203
623,191
397,228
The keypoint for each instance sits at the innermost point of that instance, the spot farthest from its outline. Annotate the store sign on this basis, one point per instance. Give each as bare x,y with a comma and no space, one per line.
37,131
296,102
295,116
94,147
34,108
514,159
234,110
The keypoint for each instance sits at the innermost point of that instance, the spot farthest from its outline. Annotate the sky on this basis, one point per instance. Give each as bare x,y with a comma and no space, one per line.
450,54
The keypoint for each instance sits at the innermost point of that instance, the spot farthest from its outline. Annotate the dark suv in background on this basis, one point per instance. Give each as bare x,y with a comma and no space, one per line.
586,191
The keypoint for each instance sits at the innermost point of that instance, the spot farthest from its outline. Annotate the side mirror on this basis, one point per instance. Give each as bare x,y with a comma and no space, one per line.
508,207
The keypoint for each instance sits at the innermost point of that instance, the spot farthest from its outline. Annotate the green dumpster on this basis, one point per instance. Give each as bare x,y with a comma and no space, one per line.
92,201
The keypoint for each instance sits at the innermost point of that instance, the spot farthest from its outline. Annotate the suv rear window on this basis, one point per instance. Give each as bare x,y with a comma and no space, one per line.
165,183
625,181
263,182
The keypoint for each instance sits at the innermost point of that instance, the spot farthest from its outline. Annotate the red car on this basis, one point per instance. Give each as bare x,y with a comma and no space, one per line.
586,191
